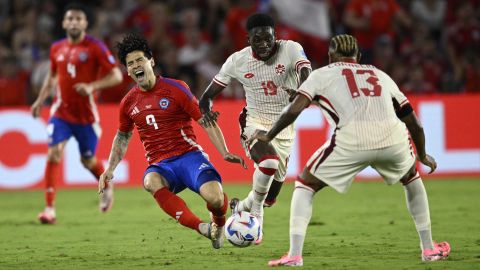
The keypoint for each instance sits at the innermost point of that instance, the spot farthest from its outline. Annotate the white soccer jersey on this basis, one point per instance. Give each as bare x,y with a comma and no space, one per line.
264,81
359,100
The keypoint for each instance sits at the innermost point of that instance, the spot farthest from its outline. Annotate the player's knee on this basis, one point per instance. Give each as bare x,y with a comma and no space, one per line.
54,155
269,165
152,183
87,162
216,201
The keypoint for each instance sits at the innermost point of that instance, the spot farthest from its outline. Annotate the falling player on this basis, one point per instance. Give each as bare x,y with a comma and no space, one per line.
268,70
74,66
372,119
161,109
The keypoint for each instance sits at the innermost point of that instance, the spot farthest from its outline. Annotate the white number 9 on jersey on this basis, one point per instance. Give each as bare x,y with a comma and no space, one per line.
151,121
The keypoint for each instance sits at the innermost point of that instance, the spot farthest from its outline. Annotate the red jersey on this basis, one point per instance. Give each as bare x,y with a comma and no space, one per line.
380,14
162,117
76,63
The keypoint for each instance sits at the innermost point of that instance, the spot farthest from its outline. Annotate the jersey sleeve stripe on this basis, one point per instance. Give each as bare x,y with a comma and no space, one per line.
307,95
179,86
300,64
219,82
404,103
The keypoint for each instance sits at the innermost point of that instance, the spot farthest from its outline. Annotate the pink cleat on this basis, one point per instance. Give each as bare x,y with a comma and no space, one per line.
47,217
439,252
287,260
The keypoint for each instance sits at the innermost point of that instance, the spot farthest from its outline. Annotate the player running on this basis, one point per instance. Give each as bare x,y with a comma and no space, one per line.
74,66
268,70
372,119
161,109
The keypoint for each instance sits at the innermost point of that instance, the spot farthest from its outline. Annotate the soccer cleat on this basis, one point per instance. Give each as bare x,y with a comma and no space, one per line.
234,205
440,251
259,216
216,235
106,199
287,260
47,216
212,232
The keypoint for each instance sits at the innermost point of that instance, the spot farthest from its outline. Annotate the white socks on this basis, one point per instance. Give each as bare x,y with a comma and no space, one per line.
417,204
262,178
300,214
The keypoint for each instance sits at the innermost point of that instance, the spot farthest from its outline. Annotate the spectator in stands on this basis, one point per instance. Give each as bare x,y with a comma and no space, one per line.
370,19
13,82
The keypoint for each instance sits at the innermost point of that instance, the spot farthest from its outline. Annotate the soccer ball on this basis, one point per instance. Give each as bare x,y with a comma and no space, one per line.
242,229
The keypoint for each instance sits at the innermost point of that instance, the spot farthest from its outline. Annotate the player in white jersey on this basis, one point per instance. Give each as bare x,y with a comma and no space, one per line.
269,70
372,119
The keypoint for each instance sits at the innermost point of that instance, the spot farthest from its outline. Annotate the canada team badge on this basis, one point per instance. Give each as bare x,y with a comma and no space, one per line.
164,103
280,69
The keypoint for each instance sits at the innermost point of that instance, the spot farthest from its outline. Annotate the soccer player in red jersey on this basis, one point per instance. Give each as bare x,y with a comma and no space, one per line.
162,109
75,62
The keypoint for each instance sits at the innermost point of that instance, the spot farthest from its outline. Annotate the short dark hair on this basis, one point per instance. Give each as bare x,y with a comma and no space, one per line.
344,45
132,42
258,20
77,6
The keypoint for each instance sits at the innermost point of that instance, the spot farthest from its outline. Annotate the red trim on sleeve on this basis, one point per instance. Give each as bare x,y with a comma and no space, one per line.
300,64
219,82
307,95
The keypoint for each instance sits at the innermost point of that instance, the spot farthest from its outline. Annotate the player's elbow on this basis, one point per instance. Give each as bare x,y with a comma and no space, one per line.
117,76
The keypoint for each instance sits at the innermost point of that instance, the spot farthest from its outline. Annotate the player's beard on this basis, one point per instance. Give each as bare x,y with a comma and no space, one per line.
74,34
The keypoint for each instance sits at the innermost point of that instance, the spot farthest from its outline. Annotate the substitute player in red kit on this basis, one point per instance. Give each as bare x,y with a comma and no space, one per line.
162,109
75,63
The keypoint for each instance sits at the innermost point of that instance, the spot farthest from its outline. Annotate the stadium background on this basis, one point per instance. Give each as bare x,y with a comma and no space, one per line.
434,57
430,48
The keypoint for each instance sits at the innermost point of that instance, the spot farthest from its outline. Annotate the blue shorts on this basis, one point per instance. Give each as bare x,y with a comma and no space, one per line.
190,170
86,135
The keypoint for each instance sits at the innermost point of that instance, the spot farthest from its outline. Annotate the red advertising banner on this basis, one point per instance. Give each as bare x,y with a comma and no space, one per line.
452,128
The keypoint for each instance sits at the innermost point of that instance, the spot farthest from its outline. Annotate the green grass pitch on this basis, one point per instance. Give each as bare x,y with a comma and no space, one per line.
368,228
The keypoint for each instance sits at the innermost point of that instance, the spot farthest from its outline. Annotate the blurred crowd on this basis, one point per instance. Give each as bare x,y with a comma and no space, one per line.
427,46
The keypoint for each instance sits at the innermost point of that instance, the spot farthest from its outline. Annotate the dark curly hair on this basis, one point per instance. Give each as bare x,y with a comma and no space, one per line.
132,42
258,20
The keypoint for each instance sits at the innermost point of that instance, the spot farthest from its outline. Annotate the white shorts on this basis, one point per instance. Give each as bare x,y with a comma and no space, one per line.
281,146
338,166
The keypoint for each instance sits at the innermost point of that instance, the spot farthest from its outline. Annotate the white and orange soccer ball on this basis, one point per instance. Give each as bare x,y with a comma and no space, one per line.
242,229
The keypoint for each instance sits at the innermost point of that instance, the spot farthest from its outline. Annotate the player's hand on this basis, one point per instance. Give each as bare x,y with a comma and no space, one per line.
104,180
84,89
260,135
429,161
35,109
235,159
209,119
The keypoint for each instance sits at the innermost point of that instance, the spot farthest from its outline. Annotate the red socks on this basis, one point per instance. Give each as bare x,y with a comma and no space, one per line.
218,214
52,173
175,207
97,170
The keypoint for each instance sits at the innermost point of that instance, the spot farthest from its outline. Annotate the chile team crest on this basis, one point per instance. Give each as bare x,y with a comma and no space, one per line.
164,103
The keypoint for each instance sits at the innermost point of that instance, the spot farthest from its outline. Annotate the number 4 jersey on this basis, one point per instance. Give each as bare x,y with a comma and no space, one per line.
359,100
264,81
162,117
78,63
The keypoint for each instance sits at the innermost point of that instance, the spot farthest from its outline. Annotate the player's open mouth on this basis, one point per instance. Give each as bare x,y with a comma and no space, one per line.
140,74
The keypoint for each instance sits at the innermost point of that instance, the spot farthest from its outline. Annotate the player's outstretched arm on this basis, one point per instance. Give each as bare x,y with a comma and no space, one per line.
206,103
113,78
119,148
48,83
216,137
418,136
